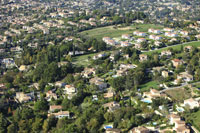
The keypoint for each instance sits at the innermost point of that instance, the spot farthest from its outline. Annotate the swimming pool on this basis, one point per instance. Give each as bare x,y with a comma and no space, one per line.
146,100
108,126
179,109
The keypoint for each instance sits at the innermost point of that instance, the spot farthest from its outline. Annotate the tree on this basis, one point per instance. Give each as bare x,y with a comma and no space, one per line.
37,125
69,79
41,105
11,128
109,116
3,123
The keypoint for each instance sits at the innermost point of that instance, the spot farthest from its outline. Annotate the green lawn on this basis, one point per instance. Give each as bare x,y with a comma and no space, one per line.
175,47
148,85
195,118
110,31
179,94
82,60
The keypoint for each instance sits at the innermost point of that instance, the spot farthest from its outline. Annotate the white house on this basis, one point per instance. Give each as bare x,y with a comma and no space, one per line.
155,31
169,34
60,114
155,37
168,29
166,53
69,89
98,82
192,103
140,40
125,44
137,33
126,36
186,33
184,76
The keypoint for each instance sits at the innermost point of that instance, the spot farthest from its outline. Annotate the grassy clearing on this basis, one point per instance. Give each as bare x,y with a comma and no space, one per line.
195,118
175,47
82,60
110,31
148,85
179,94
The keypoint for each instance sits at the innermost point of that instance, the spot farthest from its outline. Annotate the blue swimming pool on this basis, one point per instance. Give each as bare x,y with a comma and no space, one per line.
146,100
108,126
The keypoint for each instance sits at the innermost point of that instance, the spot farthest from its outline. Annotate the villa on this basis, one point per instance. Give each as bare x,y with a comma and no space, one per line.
168,29
140,40
140,129
152,94
186,33
179,126
167,53
137,33
112,106
126,36
184,76
176,62
143,57
192,103
155,31
53,108
60,114
125,44
154,37
98,82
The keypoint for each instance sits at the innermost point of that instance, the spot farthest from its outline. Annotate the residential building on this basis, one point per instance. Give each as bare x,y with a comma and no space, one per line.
53,108
192,103
126,36
125,44
137,33
98,82
140,129
88,72
176,62
60,114
69,89
50,95
143,57
152,94
185,33
167,53
113,130
112,106
140,40
60,84
165,74
155,31
168,29
179,126
188,48
154,37
169,34
21,97
184,76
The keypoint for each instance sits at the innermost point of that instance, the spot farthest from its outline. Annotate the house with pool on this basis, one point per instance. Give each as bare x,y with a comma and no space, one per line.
152,94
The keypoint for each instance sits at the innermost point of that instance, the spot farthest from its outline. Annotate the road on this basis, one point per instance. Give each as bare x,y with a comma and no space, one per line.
169,46
185,84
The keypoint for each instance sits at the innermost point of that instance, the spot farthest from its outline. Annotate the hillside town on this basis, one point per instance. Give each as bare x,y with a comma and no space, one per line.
93,66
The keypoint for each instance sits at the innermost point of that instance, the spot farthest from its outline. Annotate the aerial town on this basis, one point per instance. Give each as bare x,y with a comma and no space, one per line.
100,66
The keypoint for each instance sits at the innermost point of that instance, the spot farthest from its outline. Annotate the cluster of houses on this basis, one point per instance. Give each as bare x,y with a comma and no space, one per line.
155,35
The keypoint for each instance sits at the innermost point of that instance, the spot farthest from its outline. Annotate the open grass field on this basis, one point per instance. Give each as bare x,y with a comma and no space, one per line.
175,47
179,94
195,118
111,31
82,60
148,85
